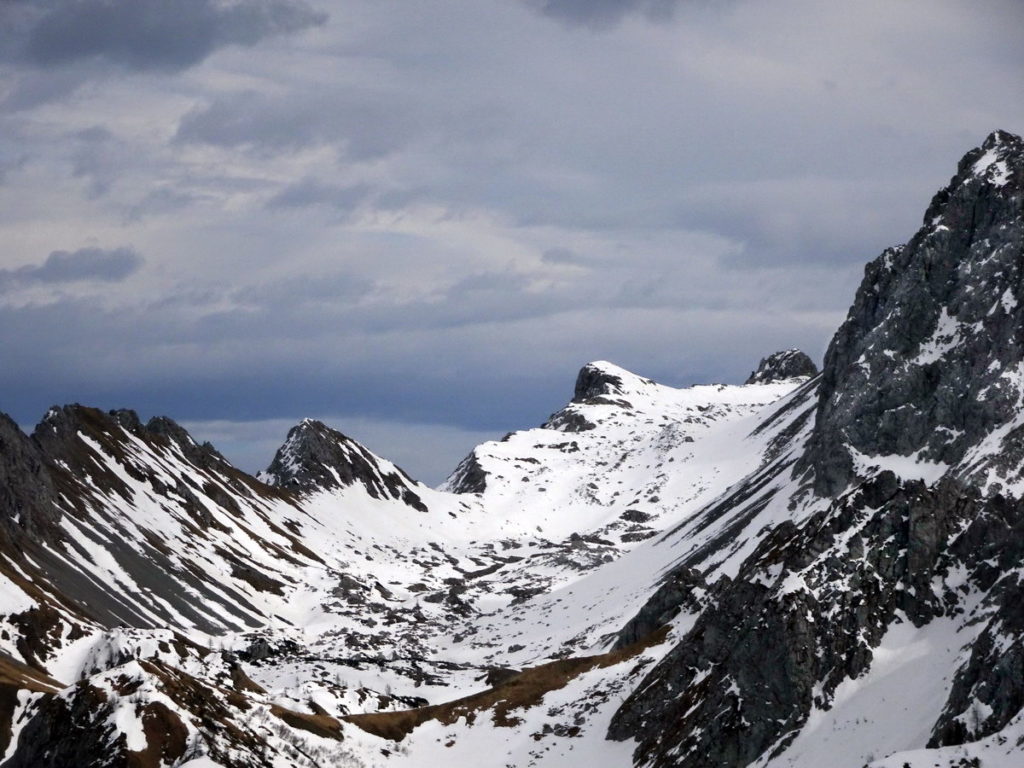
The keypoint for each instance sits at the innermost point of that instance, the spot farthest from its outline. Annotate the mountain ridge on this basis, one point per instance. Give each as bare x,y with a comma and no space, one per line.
809,569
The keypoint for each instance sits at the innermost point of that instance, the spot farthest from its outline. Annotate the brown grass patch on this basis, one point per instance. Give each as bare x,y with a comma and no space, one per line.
521,691
166,738
18,675
15,676
243,683
319,725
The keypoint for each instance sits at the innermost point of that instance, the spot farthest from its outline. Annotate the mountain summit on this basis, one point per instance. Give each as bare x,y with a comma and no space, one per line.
315,457
787,364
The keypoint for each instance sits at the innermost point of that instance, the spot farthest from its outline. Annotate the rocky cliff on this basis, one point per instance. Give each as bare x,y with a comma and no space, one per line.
900,521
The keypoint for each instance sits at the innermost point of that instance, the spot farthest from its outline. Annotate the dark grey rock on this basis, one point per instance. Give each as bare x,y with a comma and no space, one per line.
787,364
594,381
316,457
922,365
988,690
763,653
76,729
202,455
680,590
468,477
569,419
919,363
26,484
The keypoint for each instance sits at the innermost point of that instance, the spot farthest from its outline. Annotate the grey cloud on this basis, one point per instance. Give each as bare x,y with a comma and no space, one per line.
155,34
97,159
287,294
603,13
99,264
367,124
32,88
311,192
807,220
8,164
562,256
471,137
158,202
488,283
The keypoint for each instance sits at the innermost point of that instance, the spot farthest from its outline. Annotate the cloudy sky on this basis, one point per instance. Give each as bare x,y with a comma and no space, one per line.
417,219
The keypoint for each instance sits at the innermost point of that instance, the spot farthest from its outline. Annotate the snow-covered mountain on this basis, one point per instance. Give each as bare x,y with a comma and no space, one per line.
806,570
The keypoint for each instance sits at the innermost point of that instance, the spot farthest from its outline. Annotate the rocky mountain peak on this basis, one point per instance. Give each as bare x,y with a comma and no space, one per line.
59,421
202,455
60,427
315,457
996,168
787,364
926,364
603,379
304,461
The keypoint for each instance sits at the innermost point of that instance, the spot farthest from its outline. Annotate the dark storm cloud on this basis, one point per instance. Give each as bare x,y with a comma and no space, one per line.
256,365
109,266
204,369
157,34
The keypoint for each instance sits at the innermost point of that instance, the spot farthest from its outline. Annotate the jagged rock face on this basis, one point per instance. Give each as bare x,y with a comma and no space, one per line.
26,487
78,497
594,381
806,612
787,364
316,458
468,477
928,361
602,379
681,589
988,690
927,365
204,455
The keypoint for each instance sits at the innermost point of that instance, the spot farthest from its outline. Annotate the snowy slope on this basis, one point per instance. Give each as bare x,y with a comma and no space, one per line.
340,591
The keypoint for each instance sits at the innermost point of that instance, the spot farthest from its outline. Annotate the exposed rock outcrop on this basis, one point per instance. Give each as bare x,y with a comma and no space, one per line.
602,379
26,483
927,361
315,458
787,364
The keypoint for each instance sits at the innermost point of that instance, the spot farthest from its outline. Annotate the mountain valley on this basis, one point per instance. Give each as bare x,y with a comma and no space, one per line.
809,569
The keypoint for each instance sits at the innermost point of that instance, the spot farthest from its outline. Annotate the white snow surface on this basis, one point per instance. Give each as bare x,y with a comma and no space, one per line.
992,166
889,709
